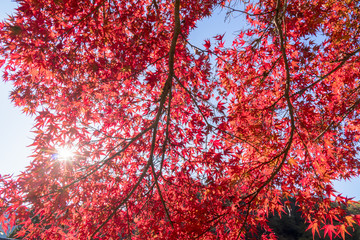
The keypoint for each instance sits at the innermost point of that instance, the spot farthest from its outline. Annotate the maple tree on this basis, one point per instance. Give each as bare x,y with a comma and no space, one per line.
175,144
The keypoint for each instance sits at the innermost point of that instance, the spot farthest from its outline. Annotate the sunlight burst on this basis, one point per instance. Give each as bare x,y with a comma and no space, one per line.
65,153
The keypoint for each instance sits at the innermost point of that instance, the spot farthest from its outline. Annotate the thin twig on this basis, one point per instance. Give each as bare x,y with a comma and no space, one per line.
245,12
156,177
347,112
343,61
205,119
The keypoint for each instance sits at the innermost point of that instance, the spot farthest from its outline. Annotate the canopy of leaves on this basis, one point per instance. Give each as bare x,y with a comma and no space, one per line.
172,144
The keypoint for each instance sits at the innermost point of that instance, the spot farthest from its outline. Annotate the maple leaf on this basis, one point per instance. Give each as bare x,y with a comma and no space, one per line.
329,230
207,44
343,230
314,228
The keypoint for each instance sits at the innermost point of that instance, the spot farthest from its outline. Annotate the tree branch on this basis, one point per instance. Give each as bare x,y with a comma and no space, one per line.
163,96
285,152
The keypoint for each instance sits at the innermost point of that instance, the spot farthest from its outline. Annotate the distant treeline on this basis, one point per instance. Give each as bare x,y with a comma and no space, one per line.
293,227
290,226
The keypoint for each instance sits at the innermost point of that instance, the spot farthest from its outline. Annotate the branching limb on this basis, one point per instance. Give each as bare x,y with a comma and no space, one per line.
341,64
205,119
154,2
163,97
279,21
347,112
105,161
83,19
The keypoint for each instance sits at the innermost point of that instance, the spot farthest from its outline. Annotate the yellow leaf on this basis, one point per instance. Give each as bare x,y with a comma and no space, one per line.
293,162
349,220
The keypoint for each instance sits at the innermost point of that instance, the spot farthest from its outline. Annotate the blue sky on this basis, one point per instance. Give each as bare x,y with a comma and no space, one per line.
15,127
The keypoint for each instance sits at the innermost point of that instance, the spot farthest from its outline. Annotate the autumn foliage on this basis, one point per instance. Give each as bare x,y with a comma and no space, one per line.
173,143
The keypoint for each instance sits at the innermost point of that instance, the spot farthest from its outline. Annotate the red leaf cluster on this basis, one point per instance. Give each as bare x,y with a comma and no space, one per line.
172,144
